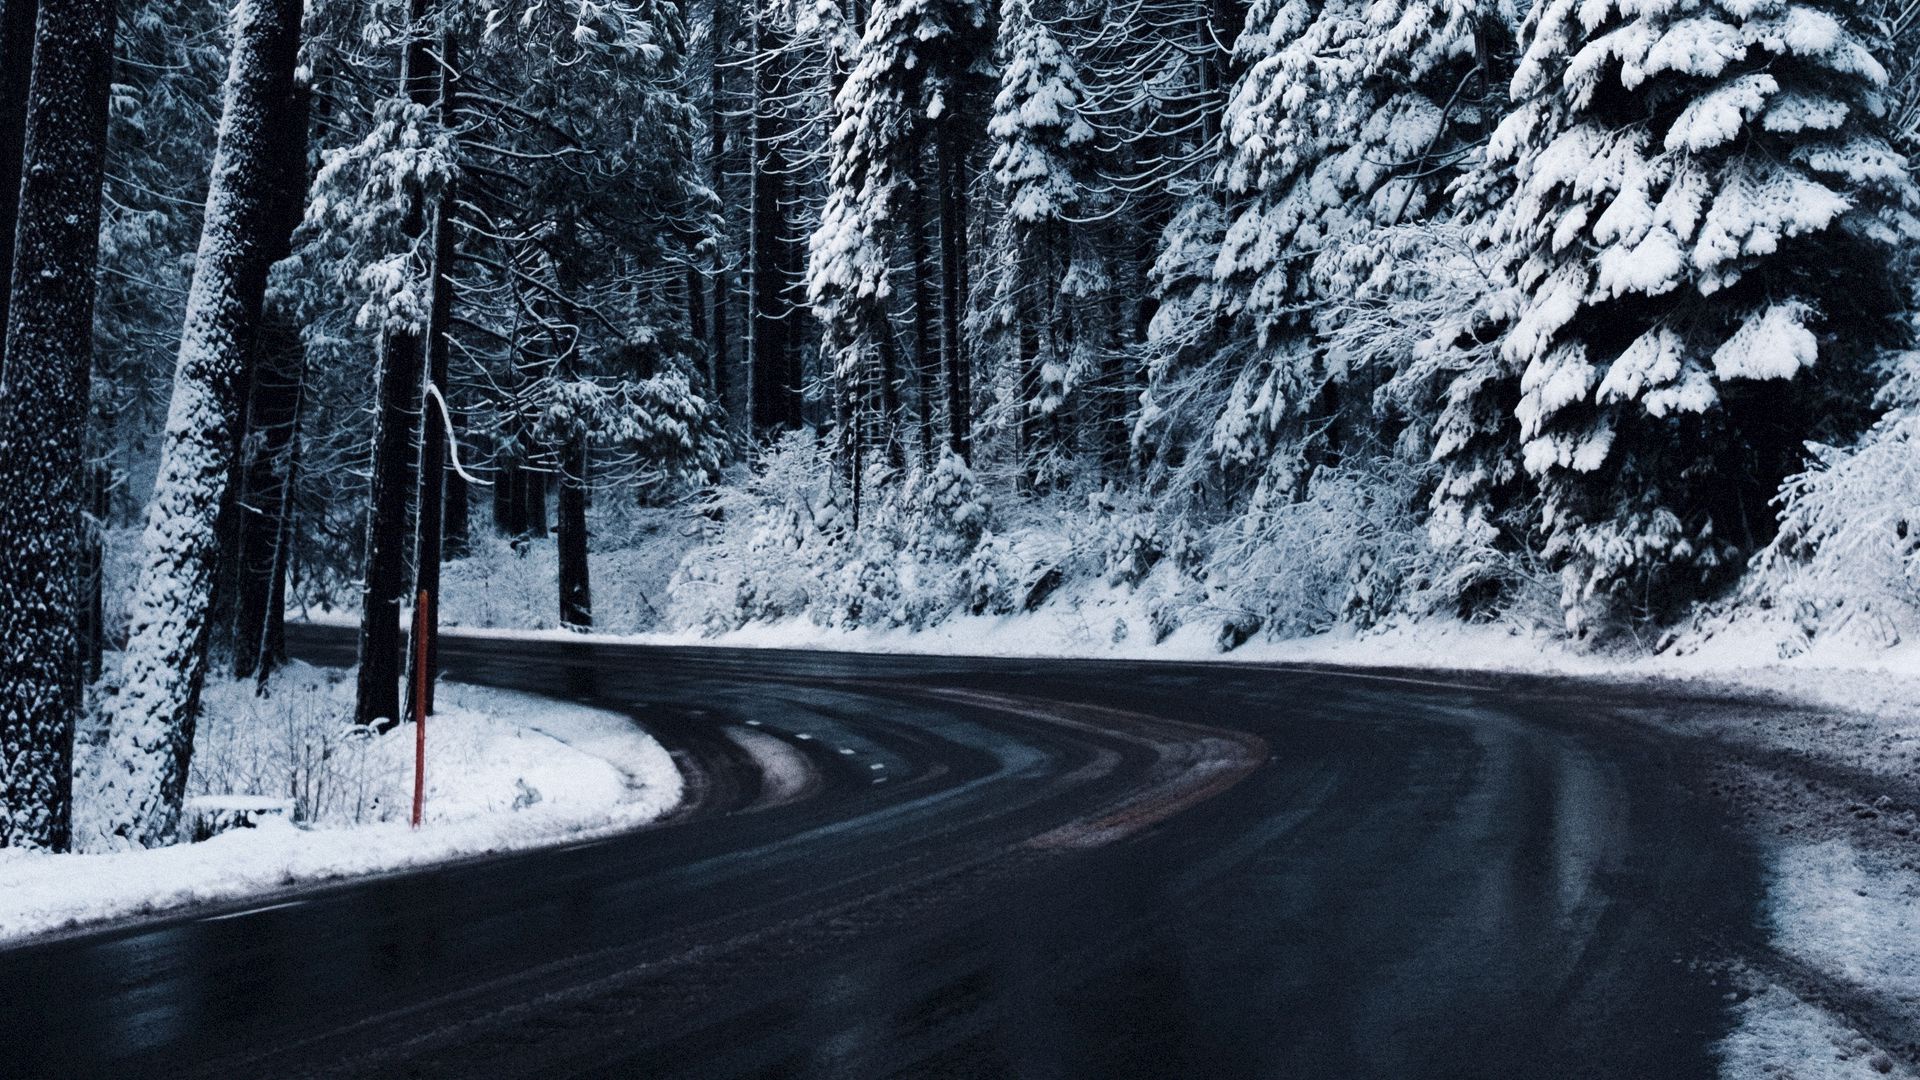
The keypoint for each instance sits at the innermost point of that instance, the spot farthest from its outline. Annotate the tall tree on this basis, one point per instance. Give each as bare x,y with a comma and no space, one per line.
1040,140
1706,211
16,66
44,380
430,521
399,389
144,773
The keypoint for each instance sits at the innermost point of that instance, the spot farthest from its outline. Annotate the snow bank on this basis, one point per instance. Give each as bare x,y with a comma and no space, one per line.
504,771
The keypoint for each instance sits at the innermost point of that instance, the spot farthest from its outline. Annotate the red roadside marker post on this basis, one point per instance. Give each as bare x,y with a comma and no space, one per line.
420,676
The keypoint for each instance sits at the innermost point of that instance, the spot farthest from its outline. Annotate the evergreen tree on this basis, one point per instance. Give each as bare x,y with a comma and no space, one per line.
1704,213
44,374
911,78
1040,143
151,729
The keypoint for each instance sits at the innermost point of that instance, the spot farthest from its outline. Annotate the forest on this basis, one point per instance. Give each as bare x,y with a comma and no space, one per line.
1277,316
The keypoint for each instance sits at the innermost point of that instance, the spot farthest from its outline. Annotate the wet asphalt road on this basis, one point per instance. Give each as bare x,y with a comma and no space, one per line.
993,869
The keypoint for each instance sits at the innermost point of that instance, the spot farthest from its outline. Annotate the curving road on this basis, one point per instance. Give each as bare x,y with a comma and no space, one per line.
988,868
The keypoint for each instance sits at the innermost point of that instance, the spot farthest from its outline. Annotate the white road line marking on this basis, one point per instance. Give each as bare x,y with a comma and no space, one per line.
253,911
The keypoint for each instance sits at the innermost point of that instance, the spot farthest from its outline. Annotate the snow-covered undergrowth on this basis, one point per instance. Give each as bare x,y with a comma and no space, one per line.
504,771
926,549
504,584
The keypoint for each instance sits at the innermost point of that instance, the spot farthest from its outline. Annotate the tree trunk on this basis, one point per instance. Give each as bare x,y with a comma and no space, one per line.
457,515
953,292
395,441
16,67
43,413
266,480
508,519
150,740
1028,429
533,504
926,342
429,529
94,642
576,594
777,378
272,418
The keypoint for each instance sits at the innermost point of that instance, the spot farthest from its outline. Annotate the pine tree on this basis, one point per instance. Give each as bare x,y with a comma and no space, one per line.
1348,117
1040,144
1705,210
44,378
911,78
152,718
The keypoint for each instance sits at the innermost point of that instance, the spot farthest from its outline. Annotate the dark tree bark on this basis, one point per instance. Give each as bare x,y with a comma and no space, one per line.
396,440
43,408
94,639
150,741
272,420
576,593
508,506
429,528
266,491
954,291
717,330
533,504
926,343
776,268
16,67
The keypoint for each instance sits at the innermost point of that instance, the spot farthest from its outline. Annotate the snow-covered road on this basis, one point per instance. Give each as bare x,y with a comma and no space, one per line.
1273,872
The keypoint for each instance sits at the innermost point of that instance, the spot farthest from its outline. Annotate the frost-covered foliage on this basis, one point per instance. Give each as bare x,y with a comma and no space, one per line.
656,418
1846,562
913,71
1705,210
1049,270
783,545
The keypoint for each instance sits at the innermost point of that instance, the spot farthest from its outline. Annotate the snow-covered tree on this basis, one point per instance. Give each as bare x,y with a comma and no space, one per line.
45,368
165,663
1348,117
1705,209
1040,145
910,77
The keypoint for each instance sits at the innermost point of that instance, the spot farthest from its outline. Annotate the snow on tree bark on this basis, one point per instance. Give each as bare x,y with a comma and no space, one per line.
150,741
43,407
16,66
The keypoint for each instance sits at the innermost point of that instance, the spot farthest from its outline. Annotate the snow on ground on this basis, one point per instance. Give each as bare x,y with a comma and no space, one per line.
504,771
1852,913
1777,1036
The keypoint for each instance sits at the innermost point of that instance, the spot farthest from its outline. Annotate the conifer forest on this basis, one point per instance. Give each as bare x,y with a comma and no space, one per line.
1244,319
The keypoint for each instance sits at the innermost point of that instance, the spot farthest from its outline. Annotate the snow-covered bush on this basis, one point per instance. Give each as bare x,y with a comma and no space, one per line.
1846,563
771,537
1339,554
782,545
